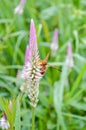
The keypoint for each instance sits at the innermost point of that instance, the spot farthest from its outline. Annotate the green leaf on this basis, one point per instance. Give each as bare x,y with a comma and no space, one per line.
76,83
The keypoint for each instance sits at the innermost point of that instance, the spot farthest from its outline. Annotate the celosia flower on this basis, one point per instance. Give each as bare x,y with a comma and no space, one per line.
4,124
31,73
69,58
54,44
19,8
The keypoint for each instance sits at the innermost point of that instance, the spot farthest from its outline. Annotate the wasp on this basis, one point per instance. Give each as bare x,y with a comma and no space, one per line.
44,64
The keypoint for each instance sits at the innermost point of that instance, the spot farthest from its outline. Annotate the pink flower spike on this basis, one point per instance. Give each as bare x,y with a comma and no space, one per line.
4,124
32,48
33,40
69,58
54,44
19,8
69,50
4,115
22,2
31,73
55,37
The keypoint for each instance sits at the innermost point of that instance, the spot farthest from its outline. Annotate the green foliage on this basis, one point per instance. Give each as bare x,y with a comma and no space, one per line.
62,98
17,118
10,109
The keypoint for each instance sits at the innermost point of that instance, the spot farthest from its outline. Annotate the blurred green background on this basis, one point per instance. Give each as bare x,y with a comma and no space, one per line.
62,98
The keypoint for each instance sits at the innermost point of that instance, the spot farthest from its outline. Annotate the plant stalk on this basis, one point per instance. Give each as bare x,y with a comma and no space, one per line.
33,118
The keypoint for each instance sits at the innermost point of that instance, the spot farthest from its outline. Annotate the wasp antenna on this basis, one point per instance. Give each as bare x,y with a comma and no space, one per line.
46,58
54,67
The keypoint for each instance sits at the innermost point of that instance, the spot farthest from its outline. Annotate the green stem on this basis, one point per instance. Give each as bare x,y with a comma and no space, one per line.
33,118
11,128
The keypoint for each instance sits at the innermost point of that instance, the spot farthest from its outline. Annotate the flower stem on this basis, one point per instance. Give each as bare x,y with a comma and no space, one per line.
11,128
33,118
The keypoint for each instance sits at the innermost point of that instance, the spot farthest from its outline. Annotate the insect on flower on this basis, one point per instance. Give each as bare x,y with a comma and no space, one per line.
44,64
34,68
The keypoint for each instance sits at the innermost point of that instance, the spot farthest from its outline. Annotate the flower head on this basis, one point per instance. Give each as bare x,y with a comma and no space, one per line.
31,73
4,124
54,44
69,58
19,8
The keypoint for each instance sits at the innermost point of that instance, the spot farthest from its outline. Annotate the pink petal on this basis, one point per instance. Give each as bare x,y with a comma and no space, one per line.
55,36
